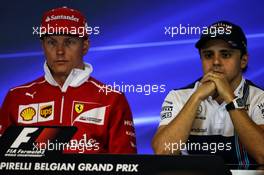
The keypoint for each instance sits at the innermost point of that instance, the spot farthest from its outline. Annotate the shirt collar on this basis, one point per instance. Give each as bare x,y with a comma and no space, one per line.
76,78
239,90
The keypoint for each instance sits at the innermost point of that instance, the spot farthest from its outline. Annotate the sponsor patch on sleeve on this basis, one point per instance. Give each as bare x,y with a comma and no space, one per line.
46,112
28,114
37,112
165,115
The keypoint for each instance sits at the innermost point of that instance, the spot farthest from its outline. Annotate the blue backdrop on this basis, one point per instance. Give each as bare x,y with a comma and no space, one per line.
132,47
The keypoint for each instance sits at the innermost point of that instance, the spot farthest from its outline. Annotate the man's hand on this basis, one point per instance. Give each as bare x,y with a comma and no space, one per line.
205,90
223,87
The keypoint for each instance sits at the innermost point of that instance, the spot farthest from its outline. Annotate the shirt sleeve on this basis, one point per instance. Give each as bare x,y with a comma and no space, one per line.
122,137
171,106
5,114
256,110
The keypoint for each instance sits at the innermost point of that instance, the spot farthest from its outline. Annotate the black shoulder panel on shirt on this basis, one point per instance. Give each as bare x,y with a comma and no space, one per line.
252,84
190,86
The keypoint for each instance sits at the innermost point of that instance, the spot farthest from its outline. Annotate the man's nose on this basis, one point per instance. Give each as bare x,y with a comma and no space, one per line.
60,50
217,60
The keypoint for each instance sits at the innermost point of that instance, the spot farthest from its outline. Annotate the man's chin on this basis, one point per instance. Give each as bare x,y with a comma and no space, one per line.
61,73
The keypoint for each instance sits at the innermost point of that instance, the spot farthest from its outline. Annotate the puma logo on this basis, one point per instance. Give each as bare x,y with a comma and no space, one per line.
30,95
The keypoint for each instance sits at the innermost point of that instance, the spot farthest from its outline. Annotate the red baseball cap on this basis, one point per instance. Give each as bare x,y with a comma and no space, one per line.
63,21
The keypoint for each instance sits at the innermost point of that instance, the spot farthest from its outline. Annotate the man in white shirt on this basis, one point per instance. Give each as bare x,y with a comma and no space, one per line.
221,113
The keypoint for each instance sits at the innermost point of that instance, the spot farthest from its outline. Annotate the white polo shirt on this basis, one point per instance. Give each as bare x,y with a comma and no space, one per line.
212,118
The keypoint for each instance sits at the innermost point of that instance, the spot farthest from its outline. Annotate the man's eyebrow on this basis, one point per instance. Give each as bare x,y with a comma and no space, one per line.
71,38
222,50
50,37
227,50
206,51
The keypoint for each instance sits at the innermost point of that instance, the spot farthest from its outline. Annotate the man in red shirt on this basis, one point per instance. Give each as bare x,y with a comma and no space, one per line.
67,95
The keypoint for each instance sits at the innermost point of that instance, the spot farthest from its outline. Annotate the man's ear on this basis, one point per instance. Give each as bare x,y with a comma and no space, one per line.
86,46
244,61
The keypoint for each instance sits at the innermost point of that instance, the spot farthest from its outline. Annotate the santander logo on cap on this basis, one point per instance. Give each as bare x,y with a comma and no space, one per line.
58,17
64,20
